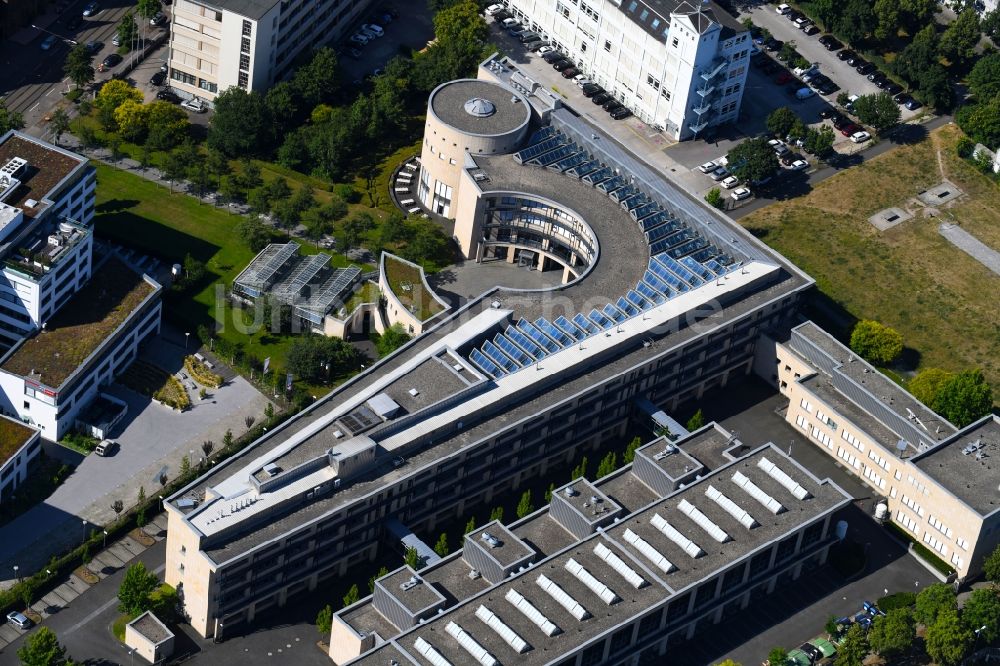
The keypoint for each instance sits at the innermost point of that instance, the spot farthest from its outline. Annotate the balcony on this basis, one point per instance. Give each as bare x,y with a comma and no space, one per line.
703,108
700,125
706,91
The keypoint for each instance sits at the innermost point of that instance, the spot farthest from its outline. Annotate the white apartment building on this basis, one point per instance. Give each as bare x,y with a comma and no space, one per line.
249,43
46,207
677,65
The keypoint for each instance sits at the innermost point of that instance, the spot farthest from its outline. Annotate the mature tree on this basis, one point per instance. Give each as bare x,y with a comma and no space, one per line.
59,124
429,244
947,640
383,571
819,141
876,342
777,657
496,514
524,505
608,464
990,24
42,648
127,31
917,13
310,355
856,21
393,338
630,450
9,120
991,566
278,189
461,24
878,110
853,649
167,125
958,41
355,227
132,119
147,9
316,82
887,17
984,78
411,558
696,421
352,595
933,601
78,66
918,56
133,594
441,547
753,160
324,621
894,633
241,126
825,11
115,92
926,386
580,471
981,121
259,201
281,106
174,167
470,525
254,233
729,662
965,398
982,613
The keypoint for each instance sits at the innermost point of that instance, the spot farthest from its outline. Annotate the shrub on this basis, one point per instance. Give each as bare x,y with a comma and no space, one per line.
964,147
897,600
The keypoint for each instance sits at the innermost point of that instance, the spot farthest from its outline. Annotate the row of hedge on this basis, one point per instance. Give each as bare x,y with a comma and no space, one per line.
60,567
923,551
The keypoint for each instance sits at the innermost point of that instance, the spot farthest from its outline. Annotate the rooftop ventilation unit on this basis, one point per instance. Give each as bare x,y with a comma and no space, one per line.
409,584
703,521
10,170
570,492
669,531
526,608
506,633
731,507
429,653
618,564
649,552
788,482
771,504
572,606
470,645
490,540
606,594
669,450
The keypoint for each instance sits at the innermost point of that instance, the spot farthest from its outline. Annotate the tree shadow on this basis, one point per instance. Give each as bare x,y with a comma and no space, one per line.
907,134
115,205
829,314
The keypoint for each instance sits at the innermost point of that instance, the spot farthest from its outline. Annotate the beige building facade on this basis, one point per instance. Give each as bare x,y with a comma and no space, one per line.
924,470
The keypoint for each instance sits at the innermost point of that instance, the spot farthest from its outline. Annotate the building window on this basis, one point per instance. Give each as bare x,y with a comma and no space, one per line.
208,85
244,62
652,81
244,80
27,405
607,45
655,24
674,43
247,28
183,77
665,93
583,47
632,6
245,45
644,15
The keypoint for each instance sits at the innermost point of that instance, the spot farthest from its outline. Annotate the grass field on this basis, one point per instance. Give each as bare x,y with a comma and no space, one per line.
909,277
143,215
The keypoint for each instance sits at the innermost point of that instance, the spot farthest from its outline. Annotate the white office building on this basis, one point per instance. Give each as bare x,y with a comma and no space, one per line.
677,65
249,43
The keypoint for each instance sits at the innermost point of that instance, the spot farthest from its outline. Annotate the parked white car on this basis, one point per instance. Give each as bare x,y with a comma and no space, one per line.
719,174
359,39
798,165
860,137
782,9
493,10
778,146
740,193
580,80
546,49
730,182
708,167
194,104
374,29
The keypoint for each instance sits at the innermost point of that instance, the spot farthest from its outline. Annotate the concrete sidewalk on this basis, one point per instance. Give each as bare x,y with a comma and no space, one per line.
104,563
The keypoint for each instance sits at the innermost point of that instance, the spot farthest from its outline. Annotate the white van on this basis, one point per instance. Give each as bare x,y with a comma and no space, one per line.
507,22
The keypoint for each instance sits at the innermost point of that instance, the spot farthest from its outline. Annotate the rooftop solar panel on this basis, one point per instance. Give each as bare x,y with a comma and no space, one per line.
498,357
614,313
625,306
598,176
512,350
485,364
637,300
600,319
612,184
583,169
655,220
680,270
687,248
645,210
540,338
623,192
525,343
265,266
550,330
569,327
585,324
306,269
651,294
530,152
698,269
658,284
571,161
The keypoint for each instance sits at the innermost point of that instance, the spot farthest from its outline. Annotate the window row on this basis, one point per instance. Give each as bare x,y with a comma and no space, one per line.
908,501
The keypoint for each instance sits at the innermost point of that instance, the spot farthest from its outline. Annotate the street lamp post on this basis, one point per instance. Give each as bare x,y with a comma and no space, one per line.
105,538
131,653
84,522
16,576
186,336
65,39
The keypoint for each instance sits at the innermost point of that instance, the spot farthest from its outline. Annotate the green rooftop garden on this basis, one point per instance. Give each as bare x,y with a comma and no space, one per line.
112,294
13,435
406,282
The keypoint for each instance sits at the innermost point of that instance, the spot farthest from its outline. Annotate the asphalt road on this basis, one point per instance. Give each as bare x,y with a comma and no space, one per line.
32,80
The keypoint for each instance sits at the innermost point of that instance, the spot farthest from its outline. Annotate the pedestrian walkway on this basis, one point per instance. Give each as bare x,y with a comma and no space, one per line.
114,557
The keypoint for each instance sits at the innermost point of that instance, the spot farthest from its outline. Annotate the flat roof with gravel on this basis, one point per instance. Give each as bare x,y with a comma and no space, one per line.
479,107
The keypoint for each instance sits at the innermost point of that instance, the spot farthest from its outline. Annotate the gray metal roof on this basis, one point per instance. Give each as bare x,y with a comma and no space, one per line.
654,16
451,103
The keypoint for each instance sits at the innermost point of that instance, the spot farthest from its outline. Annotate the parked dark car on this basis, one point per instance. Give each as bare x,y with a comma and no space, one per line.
591,89
528,37
158,78
552,56
773,44
569,72
827,113
110,61
913,105
534,46
600,98
611,105
619,114
830,42
828,88
901,98
94,47
865,68
840,122
846,54
850,129
810,29
560,65
894,88
168,96
794,15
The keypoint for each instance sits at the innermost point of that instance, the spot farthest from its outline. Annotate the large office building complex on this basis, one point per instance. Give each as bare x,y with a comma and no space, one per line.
680,65
627,568
248,43
668,302
936,481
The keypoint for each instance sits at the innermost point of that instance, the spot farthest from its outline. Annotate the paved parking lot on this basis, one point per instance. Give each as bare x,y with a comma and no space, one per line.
412,30
153,440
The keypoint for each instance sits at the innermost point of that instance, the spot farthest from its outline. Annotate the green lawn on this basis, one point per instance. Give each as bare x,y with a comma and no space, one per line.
140,214
909,277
